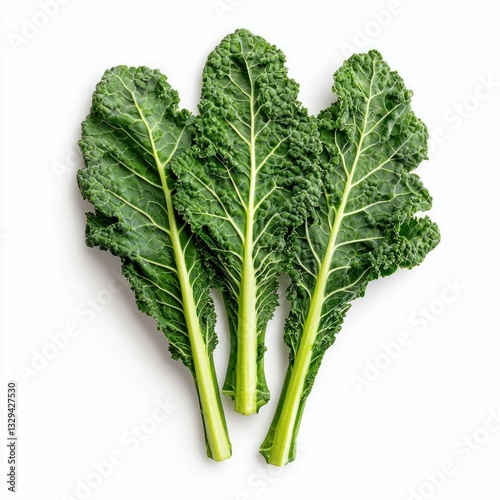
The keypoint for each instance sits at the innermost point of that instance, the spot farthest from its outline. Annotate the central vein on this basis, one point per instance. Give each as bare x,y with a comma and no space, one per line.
284,431
214,425
246,357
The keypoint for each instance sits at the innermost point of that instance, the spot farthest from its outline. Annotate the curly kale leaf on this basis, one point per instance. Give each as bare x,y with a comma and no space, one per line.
250,178
129,140
364,227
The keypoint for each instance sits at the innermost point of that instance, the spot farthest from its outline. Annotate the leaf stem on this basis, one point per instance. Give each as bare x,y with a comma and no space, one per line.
279,447
216,435
245,397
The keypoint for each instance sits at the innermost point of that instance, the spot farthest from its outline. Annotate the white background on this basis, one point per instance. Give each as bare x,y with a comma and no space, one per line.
378,442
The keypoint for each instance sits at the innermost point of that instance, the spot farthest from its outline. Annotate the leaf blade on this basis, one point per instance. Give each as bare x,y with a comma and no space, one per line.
246,184
128,141
364,228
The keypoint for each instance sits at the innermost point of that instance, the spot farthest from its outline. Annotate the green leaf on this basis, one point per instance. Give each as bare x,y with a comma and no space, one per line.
364,228
129,140
248,181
